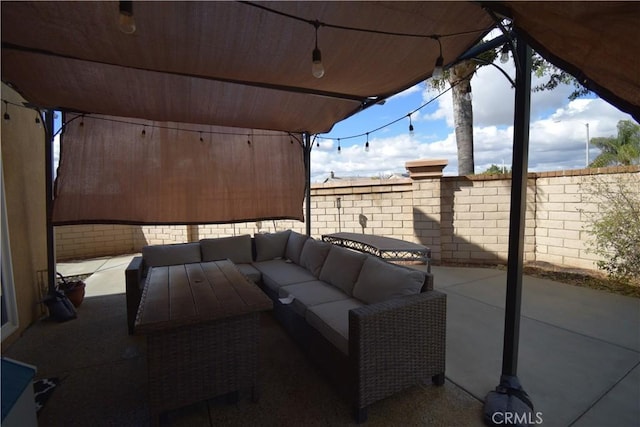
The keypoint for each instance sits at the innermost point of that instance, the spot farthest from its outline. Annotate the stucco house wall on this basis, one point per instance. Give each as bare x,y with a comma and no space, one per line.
23,160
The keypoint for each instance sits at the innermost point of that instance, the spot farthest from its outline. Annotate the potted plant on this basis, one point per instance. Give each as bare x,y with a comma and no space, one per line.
73,289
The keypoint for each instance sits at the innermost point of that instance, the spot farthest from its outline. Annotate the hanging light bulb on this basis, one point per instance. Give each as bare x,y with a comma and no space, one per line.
411,132
467,95
144,131
201,139
339,149
317,69
438,71
6,113
504,54
366,146
126,21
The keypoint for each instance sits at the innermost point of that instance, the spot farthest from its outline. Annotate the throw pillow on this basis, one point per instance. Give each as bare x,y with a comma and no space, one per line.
294,246
235,248
342,267
313,255
381,281
271,245
181,253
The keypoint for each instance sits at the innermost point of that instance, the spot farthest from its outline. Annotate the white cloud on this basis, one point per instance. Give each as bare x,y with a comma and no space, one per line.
558,132
557,142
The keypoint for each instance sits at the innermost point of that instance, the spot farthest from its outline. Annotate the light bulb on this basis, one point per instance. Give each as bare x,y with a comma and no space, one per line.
366,147
504,55
317,69
438,72
411,132
126,21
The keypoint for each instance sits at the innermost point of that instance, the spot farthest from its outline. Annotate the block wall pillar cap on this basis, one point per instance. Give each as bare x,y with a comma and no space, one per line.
424,168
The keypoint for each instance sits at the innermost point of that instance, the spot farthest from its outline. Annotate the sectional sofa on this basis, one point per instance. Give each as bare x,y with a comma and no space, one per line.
374,328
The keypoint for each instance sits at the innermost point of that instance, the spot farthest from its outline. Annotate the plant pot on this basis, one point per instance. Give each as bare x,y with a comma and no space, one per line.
75,292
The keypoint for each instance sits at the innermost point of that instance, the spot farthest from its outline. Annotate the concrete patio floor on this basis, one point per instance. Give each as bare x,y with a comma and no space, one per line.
579,360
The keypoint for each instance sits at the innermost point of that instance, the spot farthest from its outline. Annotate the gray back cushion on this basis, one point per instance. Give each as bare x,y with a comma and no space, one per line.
235,248
294,246
381,281
271,245
181,253
313,255
342,267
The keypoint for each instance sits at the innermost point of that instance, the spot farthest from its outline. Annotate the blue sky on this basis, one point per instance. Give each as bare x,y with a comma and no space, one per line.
557,138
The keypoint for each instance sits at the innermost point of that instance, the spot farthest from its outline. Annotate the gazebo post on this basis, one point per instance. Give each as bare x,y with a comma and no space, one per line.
48,156
509,399
306,146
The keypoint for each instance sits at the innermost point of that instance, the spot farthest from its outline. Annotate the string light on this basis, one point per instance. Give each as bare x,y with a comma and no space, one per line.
144,131
366,146
339,149
468,96
126,21
438,71
201,139
249,139
317,69
6,113
386,125
411,132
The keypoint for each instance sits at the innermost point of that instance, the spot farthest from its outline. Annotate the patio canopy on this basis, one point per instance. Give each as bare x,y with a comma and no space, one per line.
114,171
248,65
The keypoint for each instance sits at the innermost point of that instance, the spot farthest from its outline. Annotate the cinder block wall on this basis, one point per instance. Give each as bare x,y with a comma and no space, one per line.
475,223
462,219
564,203
87,241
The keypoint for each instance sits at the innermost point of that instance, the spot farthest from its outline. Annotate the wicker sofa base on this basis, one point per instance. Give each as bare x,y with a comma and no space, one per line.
199,362
364,379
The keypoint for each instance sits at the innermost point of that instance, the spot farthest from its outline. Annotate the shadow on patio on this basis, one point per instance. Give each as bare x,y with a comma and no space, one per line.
579,361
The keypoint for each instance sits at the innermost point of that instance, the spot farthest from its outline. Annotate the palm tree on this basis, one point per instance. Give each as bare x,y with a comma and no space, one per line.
621,150
460,80
459,77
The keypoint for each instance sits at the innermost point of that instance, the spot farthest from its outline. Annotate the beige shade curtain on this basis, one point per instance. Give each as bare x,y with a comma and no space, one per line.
115,170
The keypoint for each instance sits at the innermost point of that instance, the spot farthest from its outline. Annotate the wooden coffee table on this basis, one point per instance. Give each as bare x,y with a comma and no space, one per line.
202,326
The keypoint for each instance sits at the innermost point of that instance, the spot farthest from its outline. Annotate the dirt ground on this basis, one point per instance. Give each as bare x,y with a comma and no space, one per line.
577,277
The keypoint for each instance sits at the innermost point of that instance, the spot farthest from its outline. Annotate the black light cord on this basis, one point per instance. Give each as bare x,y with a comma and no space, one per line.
404,116
315,22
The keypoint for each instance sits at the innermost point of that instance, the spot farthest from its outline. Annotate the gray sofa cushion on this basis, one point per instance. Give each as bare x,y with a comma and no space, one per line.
235,248
308,294
250,271
380,281
278,272
181,253
313,255
332,321
271,245
342,267
294,246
